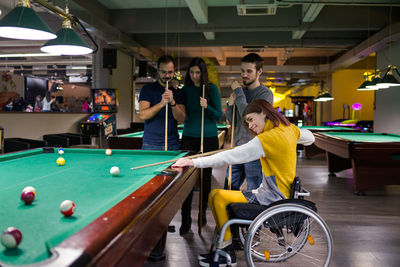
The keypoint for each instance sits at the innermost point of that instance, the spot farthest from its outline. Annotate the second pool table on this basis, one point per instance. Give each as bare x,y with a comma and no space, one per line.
374,157
134,140
118,220
313,150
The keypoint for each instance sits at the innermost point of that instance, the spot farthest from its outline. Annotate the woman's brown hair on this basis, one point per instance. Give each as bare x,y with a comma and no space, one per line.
262,106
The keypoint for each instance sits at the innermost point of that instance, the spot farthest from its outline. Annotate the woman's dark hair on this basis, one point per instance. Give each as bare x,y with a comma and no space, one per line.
199,62
263,106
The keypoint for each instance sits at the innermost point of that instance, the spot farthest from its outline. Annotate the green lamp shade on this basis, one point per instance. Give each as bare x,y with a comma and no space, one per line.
24,23
68,42
363,87
388,80
373,85
326,97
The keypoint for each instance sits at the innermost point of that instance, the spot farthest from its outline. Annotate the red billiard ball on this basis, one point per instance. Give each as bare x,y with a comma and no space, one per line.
30,188
11,237
67,208
28,197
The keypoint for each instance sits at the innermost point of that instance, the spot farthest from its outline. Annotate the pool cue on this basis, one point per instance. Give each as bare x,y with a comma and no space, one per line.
166,125
188,157
232,143
201,170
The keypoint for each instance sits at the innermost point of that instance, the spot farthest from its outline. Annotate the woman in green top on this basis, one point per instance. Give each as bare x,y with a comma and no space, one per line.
196,77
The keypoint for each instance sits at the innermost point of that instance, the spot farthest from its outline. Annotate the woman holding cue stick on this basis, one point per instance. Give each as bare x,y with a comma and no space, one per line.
197,77
274,145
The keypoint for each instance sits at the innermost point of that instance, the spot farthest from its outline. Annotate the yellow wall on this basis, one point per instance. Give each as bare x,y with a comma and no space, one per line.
344,90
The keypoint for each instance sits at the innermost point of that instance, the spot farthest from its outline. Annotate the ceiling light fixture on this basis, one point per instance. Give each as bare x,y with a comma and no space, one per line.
388,79
23,23
373,85
363,86
68,42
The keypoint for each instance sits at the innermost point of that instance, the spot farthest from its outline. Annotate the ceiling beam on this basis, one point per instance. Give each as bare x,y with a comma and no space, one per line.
375,43
199,10
219,55
309,13
209,35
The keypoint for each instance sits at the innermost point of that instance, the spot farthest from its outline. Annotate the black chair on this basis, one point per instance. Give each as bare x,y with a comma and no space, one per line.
18,144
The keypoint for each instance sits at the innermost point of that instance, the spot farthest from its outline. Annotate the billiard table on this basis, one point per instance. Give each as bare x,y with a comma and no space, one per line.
134,140
118,220
313,150
374,157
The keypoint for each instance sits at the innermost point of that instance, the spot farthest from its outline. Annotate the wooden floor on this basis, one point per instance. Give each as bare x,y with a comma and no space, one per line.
365,229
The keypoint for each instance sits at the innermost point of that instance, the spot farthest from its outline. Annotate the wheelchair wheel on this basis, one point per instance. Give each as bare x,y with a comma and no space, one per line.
290,234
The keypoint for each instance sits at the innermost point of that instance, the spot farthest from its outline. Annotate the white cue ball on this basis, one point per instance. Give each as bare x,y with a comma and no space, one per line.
114,171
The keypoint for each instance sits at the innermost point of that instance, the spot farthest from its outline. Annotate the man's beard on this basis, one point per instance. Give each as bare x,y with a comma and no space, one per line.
248,82
164,81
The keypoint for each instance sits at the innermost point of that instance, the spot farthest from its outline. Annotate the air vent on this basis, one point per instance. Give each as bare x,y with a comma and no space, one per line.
256,10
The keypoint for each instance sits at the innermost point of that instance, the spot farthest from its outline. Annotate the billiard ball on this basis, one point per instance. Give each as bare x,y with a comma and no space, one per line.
11,237
28,197
60,161
61,151
67,208
114,171
29,188
108,152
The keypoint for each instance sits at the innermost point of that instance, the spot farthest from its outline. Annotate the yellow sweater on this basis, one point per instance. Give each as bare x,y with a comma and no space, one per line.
279,144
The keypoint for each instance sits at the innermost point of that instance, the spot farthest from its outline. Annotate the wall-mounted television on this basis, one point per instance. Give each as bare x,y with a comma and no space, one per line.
34,87
104,100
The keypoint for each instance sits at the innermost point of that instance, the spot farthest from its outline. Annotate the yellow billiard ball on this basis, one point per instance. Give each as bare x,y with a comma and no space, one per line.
60,161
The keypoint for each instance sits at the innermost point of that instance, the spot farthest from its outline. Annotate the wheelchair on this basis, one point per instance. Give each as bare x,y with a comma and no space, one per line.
288,232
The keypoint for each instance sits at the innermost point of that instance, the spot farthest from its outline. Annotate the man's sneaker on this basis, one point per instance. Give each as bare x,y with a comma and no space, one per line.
205,256
222,262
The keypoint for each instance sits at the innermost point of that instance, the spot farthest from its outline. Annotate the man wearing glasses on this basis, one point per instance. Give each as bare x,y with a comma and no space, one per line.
154,99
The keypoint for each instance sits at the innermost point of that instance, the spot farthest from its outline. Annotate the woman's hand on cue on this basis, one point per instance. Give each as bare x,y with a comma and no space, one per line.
182,163
203,102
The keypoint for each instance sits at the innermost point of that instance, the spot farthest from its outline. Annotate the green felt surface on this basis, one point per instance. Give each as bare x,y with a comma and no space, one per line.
326,128
84,179
366,137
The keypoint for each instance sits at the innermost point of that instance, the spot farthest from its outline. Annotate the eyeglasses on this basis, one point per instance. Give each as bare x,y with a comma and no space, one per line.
163,72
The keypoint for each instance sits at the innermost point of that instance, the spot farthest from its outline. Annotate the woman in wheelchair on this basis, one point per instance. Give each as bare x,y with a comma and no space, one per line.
275,145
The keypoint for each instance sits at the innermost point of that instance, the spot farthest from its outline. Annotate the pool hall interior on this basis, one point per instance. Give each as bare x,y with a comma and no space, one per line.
332,67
